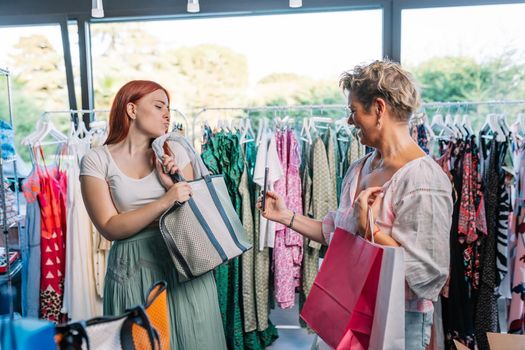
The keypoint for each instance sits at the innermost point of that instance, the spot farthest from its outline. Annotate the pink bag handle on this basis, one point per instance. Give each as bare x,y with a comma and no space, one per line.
371,223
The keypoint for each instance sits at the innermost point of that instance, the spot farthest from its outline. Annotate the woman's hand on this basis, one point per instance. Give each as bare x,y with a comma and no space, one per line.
179,192
369,197
275,209
165,168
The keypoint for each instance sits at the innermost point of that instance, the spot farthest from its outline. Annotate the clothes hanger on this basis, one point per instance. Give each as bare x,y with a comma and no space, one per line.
430,133
445,132
318,123
305,131
438,121
236,124
491,122
342,124
247,134
467,125
82,130
449,122
283,123
458,119
262,130
502,122
45,128
39,129
51,130
521,122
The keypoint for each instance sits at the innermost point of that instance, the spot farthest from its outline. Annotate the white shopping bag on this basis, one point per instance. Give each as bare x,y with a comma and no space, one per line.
388,328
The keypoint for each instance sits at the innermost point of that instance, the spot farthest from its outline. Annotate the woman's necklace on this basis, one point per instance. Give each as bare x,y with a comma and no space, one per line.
378,164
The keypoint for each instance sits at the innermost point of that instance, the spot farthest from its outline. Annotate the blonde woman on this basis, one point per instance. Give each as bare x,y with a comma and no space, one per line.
410,195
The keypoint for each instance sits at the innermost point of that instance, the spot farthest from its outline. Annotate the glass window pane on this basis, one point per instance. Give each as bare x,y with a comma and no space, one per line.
34,55
466,53
238,60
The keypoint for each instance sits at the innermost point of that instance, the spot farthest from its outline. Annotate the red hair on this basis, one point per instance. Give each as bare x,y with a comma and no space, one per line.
118,116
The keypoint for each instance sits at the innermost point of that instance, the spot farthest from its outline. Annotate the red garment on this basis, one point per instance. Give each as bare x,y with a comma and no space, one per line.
53,241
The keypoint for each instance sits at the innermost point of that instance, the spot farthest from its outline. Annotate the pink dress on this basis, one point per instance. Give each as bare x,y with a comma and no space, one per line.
288,247
416,211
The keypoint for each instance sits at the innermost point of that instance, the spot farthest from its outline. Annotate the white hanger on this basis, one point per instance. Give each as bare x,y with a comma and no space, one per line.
235,124
430,132
324,121
52,131
445,131
502,122
458,125
39,129
521,122
44,128
284,122
262,130
449,121
437,120
492,122
305,131
222,125
247,134
79,130
97,129
343,124
467,125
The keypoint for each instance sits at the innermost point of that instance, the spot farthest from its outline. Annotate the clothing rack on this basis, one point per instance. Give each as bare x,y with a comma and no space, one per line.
76,112
247,110
471,103
198,115
5,228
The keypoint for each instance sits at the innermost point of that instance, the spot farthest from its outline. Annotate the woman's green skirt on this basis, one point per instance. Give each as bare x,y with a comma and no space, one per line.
136,263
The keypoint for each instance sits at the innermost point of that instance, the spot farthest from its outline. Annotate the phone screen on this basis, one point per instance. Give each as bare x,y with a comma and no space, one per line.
264,189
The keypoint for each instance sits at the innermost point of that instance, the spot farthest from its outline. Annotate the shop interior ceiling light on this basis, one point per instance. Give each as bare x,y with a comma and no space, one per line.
97,10
193,6
296,3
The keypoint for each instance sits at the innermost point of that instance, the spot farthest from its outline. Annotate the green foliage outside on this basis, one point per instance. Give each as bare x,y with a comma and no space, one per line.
456,79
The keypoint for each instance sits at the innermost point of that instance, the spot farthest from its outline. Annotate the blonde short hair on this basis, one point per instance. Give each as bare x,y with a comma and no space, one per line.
387,80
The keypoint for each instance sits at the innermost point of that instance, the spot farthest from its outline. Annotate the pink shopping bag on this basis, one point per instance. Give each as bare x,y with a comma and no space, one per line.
340,307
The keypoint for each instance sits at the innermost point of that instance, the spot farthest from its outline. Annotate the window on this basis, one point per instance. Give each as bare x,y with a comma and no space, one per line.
292,59
466,53
34,55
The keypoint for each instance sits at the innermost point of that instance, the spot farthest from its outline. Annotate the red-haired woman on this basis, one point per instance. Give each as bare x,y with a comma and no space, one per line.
125,191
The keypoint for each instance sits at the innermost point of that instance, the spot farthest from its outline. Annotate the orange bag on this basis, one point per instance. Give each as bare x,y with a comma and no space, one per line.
156,306
139,328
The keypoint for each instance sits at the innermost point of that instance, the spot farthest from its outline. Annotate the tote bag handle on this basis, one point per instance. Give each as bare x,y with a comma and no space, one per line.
371,223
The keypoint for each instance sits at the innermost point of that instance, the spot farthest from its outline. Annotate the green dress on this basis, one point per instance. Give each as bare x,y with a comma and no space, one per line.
323,198
136,263
222,155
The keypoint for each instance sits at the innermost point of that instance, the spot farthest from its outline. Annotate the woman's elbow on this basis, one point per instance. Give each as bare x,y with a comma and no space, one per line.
109,232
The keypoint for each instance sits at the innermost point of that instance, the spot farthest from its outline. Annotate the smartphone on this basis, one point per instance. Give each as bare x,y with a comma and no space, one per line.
263,192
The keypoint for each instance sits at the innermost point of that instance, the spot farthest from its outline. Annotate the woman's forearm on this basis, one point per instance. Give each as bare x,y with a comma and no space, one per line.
308,227
127,224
